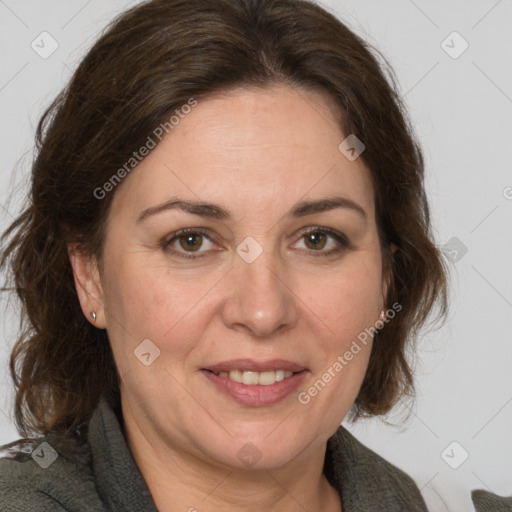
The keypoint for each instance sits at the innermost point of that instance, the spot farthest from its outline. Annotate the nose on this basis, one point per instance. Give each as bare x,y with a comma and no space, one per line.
259,299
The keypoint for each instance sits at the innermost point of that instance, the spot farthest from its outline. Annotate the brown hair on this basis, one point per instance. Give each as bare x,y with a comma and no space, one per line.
152,59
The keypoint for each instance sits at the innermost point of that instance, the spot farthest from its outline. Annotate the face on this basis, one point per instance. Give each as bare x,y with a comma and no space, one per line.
260,281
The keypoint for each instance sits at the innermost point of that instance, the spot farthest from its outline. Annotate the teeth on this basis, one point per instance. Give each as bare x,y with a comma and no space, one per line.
255,378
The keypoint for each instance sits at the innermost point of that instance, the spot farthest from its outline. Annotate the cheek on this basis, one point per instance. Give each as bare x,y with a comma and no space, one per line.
349,303
150,301
349,300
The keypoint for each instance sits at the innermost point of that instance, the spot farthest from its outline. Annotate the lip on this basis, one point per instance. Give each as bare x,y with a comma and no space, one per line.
256,395
250,365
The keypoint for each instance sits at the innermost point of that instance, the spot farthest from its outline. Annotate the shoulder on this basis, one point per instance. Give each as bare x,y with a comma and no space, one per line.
368,481
486,501
48,475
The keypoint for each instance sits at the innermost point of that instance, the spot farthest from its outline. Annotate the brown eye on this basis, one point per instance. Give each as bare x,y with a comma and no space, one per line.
317,239
186,242
191,241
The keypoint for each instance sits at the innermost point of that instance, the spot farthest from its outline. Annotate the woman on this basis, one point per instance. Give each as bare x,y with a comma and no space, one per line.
227,250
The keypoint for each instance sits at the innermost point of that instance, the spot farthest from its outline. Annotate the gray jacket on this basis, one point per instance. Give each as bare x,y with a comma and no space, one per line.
100,474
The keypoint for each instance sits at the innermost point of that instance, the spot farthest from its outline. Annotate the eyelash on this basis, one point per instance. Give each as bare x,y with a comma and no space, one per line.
339,237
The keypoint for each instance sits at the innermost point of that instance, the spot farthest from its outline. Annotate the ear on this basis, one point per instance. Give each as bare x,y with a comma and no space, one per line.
88,285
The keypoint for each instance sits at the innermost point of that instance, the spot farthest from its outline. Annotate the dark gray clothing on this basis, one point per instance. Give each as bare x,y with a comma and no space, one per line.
100,474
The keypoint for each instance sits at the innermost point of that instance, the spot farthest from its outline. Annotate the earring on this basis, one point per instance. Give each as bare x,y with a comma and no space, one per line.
383,315
93,316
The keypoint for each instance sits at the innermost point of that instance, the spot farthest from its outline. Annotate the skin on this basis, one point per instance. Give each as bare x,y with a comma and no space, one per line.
255,152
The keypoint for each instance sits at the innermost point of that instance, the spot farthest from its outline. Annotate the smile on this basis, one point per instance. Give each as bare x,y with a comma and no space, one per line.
256,389
251,378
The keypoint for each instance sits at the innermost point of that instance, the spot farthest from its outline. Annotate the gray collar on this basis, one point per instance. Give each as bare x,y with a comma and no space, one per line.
118,479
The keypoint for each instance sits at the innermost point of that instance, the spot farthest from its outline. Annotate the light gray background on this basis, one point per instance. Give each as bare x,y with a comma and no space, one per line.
462,109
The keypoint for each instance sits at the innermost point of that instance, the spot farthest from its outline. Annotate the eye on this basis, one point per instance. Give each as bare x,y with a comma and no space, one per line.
316,239
188,240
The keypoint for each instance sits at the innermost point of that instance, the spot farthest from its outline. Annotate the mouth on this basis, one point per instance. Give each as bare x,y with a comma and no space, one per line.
250,378
256,383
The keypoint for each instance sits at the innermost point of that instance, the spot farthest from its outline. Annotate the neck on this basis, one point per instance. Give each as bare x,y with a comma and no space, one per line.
180,481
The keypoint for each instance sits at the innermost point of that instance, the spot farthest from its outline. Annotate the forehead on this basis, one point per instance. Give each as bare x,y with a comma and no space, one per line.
251,147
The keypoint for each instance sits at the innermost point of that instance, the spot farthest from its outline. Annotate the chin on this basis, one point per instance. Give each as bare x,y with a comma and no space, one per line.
254,448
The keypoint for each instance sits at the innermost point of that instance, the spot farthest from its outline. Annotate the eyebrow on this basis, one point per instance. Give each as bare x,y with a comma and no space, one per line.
213,211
